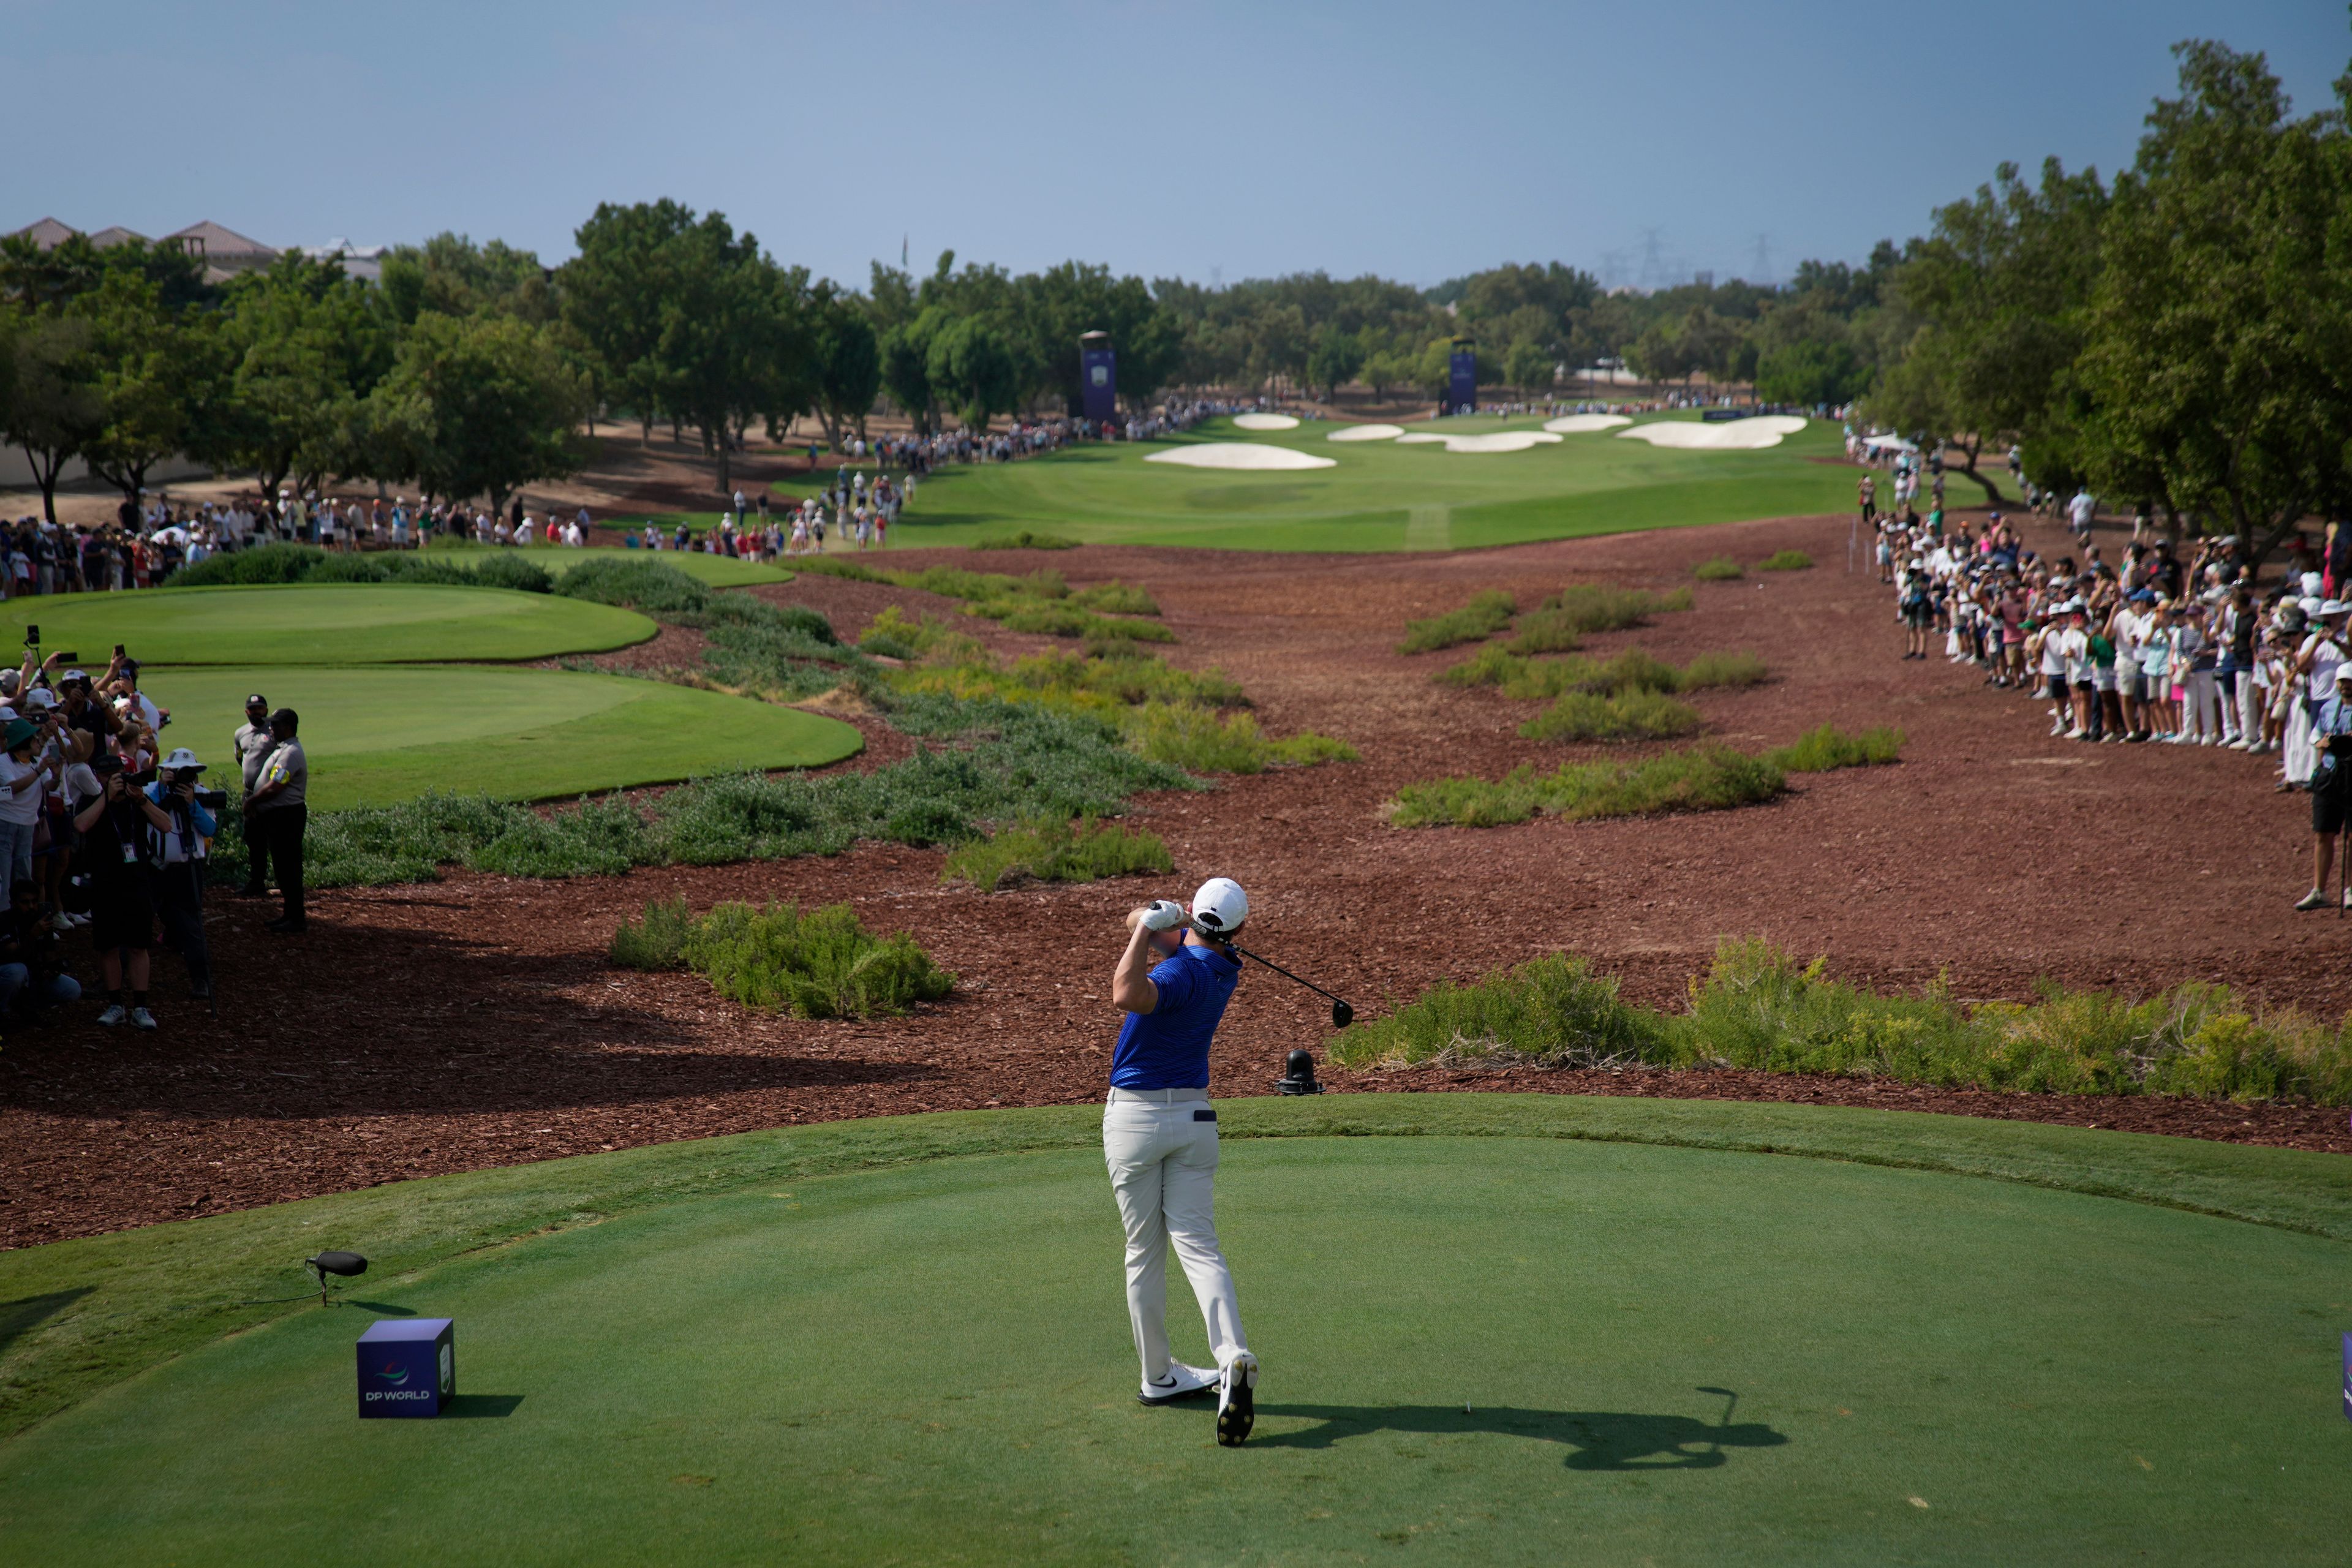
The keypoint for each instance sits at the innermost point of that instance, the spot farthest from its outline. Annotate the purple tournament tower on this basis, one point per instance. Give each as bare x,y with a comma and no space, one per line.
1098,377
1462,378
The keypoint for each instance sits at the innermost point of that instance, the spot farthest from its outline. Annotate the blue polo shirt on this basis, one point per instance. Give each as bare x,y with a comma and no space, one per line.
1168,1048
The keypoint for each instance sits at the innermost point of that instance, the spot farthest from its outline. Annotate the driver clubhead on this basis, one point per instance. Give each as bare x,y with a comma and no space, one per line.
1342,1014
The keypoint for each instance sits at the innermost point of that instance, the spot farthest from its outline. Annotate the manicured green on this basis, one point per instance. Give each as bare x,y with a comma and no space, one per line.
1381,495
322,624
717,571
1499,1328
378,735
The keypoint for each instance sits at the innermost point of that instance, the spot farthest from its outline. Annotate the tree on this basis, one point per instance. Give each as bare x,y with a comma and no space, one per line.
905,367
1336,357
2221,325
1528,365
613,295
734,342
156,375
478,405
50,403
973,369
1812,372
848,359
301,347
452,276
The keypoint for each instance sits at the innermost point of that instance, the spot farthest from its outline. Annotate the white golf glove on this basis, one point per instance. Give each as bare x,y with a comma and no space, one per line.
1164,916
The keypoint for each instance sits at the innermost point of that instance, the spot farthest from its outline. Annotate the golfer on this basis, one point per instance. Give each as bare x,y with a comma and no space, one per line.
1160,1138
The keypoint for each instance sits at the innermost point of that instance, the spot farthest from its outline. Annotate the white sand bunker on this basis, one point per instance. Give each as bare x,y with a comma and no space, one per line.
1584,423
1240,455
1265,422
1495,441
1732,435
1366,433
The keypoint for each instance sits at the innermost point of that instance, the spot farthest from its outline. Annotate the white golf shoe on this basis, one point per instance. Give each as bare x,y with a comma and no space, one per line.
1179,1382
1236,1400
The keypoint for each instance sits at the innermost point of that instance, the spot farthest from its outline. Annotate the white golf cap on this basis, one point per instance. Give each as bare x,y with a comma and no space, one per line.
1220,906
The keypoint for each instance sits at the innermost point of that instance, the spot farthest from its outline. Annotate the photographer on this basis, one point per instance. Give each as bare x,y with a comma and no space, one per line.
273,811
113,828
180,851
22,777
31,969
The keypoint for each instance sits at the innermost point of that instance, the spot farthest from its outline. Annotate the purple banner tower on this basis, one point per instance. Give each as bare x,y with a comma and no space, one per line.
1462,383
1098,377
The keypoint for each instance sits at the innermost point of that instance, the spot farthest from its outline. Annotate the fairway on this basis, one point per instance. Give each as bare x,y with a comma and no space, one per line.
1500,1348
379,735
322,624
1381,495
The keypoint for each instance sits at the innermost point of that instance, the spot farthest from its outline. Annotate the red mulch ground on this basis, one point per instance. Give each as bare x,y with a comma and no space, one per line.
473,1021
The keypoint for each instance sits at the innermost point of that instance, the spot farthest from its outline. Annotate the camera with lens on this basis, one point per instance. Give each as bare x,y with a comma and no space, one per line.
213,800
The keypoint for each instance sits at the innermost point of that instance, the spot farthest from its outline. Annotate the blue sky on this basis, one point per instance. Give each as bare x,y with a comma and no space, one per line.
1228,139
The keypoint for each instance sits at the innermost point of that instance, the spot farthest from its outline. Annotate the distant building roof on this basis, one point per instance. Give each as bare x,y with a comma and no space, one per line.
48,234
221,245
118,235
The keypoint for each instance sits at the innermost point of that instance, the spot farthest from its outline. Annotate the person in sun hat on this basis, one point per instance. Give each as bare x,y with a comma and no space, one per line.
1160,1141
179,853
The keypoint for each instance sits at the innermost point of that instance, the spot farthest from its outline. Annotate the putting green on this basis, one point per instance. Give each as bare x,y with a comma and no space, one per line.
323,624
718,571
1381,495
1523,1348
381,735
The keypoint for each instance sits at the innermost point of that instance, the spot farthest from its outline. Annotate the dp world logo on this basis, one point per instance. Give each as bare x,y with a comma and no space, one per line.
393,1374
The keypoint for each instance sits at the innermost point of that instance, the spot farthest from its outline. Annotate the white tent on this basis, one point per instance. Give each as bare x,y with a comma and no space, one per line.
1889,444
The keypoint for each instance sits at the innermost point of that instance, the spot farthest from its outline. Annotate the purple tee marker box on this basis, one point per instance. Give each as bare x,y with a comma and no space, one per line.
408,1367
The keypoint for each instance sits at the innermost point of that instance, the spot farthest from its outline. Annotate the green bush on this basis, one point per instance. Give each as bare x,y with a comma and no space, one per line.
1115,598
1716,569
516,572
271,563
1056,618
1636,714
823,964
656,941
1703,778
654,586
262,563
1516,675
1829,747
1054,851
1202,740
1785,561
1488,612
1553,1012
1759,1009
1025,539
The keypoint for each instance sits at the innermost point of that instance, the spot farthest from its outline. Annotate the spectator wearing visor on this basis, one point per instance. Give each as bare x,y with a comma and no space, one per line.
252,744
114,828
275,811
179,854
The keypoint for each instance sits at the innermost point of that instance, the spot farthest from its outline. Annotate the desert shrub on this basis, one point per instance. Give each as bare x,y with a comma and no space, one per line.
1721,669
1115,598
1631,670
597,839
657,941
928,821
1716,569
1025,539
1703,778
1584,608
1636,714
1552,1012
1488,612
1785,561
821,965
1761,1009
1829,747
654,586
1057,618
834,567
1053,850
1202,740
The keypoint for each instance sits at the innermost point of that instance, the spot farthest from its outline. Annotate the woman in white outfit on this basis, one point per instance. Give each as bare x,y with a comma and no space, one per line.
1160,1139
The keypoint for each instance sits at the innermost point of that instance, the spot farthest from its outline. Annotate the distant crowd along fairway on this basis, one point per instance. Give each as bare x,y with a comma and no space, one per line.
1379,495
555,559
1567,1330
380,735
322,623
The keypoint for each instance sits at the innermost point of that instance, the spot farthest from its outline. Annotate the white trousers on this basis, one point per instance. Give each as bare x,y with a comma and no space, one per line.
1163,1163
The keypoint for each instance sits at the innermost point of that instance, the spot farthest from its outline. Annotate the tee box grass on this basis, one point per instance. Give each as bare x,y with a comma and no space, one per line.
1517,1328
1381,495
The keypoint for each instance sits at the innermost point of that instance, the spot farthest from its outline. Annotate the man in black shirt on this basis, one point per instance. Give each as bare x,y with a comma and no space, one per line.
113,827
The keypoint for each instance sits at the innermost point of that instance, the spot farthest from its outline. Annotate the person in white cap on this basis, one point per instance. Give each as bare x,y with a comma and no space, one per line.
181,851
1160,1139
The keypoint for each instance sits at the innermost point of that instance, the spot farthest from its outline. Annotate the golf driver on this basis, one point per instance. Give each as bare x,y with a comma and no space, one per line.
1342,1014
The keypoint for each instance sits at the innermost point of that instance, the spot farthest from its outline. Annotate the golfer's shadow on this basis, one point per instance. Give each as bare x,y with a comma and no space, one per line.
1599,1439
